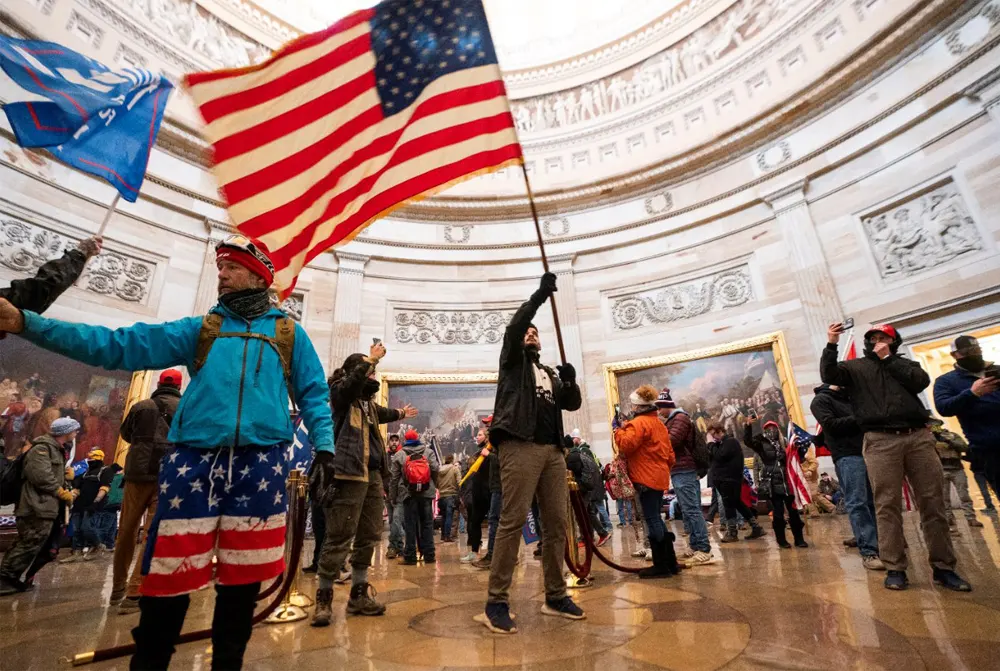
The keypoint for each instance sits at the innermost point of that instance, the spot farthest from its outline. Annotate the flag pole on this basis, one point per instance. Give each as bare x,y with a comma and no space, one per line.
107,215
545,260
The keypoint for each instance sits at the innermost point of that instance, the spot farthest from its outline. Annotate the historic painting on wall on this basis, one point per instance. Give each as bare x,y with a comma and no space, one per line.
451,408
727,384
37,387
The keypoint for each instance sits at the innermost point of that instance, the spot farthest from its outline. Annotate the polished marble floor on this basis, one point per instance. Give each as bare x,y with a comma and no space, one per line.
757,607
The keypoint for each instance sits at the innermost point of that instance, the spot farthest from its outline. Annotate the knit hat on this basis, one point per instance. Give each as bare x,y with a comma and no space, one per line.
251,254
575,434
64,426
170,377
95,454
644,395
664,400
411,438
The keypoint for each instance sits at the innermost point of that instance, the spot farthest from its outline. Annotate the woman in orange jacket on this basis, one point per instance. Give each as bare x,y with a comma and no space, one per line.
645,443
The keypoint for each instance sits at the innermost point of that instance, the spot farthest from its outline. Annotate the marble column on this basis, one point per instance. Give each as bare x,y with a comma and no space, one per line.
816,289
347,307
569,322
208,280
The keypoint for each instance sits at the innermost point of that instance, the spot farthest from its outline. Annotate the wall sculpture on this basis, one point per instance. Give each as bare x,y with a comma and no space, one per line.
450,327
25,247
683,300
923,232
293,306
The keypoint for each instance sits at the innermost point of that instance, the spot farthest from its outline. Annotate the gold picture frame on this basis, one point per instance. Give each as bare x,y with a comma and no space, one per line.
775,341
138,390
389,378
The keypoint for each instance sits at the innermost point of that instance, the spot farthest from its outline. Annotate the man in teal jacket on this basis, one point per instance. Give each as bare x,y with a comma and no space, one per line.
222,487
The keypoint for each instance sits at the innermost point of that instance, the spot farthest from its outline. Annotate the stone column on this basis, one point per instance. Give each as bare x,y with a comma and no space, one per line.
817,292
208,281
569,323
347,308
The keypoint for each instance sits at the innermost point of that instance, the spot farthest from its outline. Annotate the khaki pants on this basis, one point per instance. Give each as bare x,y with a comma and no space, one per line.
956,478
354,518
530,471
889,457
138,499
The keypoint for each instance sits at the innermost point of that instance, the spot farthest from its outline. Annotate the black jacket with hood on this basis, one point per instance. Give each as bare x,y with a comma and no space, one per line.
146,428
841,431
883,391
38,293
515,411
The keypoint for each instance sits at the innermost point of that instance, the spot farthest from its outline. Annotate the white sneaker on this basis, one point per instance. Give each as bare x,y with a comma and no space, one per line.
639,553
873,563
700,559
469,558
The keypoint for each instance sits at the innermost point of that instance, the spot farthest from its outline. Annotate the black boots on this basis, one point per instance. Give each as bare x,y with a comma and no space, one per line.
664,559
797,526
779,535
324,608
755,530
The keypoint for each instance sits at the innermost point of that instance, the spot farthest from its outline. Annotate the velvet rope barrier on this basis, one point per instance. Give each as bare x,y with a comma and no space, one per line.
583,520
298,509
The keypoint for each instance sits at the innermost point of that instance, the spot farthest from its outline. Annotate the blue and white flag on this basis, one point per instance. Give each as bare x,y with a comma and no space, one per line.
300,452
99,120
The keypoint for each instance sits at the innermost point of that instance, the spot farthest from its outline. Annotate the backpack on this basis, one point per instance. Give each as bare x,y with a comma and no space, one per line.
283,343
11,479
619,483
592,480
116,493
417,473
699,448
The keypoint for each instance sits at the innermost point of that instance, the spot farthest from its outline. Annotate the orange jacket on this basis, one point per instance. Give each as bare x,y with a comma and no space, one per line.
645,444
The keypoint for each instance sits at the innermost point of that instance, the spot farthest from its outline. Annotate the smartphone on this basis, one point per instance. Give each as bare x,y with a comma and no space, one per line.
847,324
618,410
752,416
992,371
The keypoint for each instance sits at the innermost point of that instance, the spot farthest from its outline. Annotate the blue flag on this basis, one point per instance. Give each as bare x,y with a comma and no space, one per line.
300,452
99,120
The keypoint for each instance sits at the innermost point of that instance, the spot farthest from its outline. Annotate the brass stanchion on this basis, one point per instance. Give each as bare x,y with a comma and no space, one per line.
291,608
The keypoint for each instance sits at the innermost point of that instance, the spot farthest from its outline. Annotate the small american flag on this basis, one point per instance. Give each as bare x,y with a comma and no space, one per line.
798,442
342,126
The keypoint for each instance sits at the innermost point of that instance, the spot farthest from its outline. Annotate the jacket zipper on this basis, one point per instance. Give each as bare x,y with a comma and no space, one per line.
239,402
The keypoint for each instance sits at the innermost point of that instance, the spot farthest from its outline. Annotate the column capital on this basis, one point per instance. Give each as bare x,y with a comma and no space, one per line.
217,230
561,264
350,263
788,196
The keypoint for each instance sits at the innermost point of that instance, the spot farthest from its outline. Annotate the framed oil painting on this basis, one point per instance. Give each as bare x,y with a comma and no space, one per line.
725,383
451,407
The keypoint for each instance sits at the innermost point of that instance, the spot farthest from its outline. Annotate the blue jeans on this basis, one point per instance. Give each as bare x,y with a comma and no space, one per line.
418,519
107,527
604,515
626,513
860,506
396,527
496,505
651,501
687,488
447,506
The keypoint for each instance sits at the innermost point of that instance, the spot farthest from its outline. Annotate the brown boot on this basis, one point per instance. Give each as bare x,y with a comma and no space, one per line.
324,608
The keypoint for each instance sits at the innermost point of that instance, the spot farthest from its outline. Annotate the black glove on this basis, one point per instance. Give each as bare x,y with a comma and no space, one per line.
567,374
321,478
548,285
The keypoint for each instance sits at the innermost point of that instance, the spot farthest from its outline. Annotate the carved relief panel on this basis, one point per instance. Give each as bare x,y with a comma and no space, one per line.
294,307
683,300
450,327
926,230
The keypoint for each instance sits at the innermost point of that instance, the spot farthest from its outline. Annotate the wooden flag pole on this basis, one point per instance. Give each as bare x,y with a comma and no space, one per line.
107,215
545,261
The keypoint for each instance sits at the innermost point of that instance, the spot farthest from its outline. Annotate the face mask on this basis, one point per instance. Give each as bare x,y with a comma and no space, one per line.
371,386
973,363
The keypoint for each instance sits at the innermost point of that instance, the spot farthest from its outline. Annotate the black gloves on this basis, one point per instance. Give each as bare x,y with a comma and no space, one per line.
567,374
322,483
548,285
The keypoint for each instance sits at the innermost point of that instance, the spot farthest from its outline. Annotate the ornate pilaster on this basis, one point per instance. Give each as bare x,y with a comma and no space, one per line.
817,292
569,322
347,308
208,280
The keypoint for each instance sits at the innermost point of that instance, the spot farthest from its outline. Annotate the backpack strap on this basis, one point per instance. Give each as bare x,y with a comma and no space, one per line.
211,324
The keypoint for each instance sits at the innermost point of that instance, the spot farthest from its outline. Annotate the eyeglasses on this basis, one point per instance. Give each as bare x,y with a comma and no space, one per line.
247,245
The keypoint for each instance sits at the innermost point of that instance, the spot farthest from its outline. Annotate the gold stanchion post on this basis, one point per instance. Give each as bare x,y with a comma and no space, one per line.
292,606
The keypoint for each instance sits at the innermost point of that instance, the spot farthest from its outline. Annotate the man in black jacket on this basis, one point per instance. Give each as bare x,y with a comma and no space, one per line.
527,429
883,387
832,409
38,293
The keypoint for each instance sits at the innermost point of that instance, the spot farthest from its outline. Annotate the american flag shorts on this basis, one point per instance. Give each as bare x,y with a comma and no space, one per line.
225,503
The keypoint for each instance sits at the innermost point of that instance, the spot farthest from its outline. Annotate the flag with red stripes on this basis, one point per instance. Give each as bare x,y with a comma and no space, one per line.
342,126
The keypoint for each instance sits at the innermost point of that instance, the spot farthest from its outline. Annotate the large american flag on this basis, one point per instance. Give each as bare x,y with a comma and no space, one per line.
342,126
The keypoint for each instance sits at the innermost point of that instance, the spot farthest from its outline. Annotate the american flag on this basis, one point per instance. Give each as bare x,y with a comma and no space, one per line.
798,442
342,126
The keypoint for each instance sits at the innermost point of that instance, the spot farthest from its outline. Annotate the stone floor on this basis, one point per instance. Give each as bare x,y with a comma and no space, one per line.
757,607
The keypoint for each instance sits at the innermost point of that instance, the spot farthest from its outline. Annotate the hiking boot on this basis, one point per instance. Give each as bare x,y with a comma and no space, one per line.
74,556
497,618
699,559
872,563
129,605
756,531
362,601
392,553
485,562
950,580
897,580
730,536
324,608
563,607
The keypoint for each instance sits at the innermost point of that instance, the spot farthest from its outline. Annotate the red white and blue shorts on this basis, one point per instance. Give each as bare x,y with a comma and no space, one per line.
225,503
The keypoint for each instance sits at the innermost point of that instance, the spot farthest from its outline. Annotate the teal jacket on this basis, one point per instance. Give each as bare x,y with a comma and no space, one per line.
238,398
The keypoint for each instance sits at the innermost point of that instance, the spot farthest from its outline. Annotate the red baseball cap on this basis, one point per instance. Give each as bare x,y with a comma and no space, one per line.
887,329
171,376
488,420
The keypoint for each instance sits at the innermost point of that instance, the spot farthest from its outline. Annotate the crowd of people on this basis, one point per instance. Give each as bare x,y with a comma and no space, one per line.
206,469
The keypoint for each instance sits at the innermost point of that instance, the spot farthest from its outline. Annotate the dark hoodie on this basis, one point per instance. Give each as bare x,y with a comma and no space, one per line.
884,392
833,411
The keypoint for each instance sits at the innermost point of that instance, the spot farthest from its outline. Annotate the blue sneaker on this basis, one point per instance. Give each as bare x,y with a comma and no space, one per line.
563,607
951,580
497,619
896,580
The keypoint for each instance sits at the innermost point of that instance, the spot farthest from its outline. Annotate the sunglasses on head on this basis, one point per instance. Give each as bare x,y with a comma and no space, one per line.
247,245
